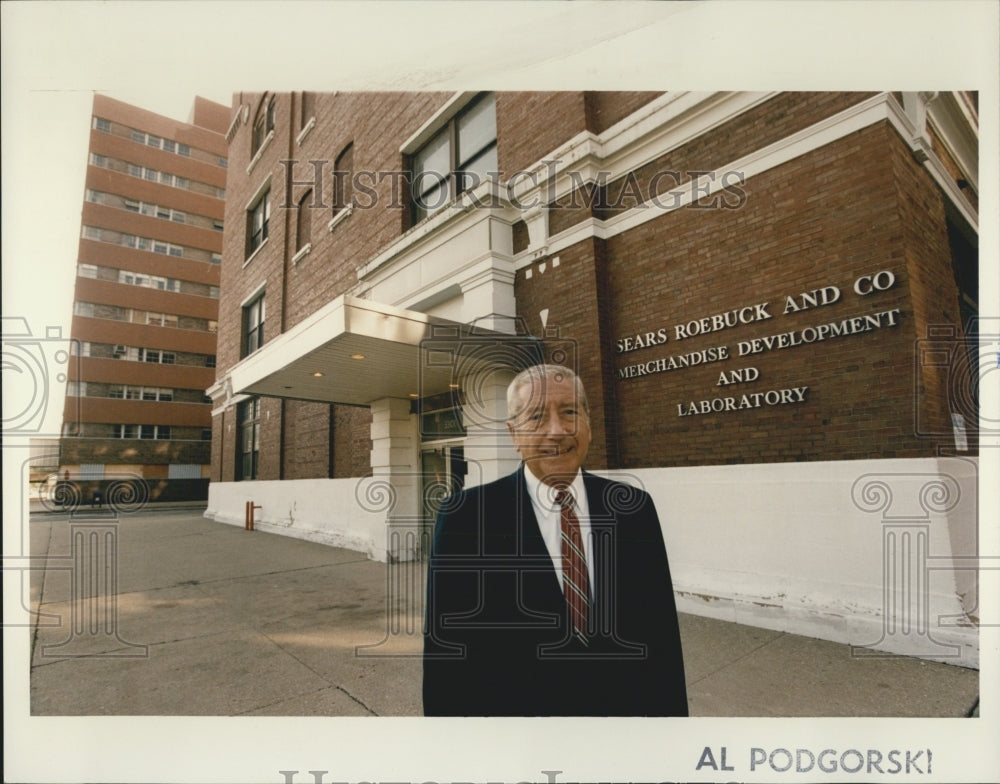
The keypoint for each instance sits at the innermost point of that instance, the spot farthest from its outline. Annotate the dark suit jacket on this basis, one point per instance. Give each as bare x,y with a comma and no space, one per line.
497,639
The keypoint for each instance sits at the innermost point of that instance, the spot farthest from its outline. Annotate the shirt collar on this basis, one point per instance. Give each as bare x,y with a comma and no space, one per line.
545,495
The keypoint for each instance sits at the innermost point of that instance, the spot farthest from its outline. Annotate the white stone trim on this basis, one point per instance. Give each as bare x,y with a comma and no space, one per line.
257,250
437,121
301,253
258,290
228,403
305,131
861,115
914,137
342,215
258,193
666,123
260,150
239,117
450,216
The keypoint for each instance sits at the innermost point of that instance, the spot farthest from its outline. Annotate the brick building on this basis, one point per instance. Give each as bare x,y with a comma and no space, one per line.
769,296
146,302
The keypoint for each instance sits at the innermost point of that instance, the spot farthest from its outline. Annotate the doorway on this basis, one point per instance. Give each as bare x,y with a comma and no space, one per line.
443,471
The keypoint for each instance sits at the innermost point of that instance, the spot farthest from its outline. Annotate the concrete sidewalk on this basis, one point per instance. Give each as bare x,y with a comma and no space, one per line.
204,618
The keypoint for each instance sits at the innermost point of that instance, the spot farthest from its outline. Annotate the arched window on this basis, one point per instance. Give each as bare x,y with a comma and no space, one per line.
263,124
343,179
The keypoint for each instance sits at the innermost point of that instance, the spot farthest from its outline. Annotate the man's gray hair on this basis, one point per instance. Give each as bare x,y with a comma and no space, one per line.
537,376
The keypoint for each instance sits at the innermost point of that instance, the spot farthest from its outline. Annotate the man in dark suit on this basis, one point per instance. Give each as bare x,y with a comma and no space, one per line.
548,590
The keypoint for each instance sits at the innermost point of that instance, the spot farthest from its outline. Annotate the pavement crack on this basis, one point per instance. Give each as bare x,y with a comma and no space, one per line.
316,672
41,598
372,711
738,659
256,710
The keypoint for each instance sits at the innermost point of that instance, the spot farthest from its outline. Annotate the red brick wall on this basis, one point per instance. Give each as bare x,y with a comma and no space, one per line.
531,125
604,109
222,459
377,124
854,207
306,440
825,218
352,427
132,451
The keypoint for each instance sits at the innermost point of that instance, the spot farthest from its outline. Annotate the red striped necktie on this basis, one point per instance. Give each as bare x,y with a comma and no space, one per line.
576,578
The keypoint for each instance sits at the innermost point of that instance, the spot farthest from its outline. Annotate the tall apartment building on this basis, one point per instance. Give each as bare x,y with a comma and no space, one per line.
146,301
770,298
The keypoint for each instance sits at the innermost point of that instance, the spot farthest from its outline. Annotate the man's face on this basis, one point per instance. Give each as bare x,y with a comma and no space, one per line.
552,430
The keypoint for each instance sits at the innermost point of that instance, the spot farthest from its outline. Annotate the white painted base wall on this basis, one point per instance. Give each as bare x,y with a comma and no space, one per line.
793,547
337,512
800,548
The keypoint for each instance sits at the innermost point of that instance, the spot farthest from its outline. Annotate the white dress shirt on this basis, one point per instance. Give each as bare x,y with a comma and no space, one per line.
547,513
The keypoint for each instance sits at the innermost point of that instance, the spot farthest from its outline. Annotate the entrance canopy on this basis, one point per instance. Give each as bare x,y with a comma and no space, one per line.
355,351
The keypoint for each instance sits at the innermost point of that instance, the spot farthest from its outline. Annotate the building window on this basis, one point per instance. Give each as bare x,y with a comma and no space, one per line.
343,181
308,104
149,432
102,124
458,157
150,355
258,217
262,126
248,447
253,326
303,221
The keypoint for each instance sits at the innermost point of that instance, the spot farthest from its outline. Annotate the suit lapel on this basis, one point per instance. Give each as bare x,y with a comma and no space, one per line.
530,540
602,530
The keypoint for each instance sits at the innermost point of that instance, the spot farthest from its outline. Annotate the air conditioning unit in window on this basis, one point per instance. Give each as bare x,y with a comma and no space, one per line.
119,351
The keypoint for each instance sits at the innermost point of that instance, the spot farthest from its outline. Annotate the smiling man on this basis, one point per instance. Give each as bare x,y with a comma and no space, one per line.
548,591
